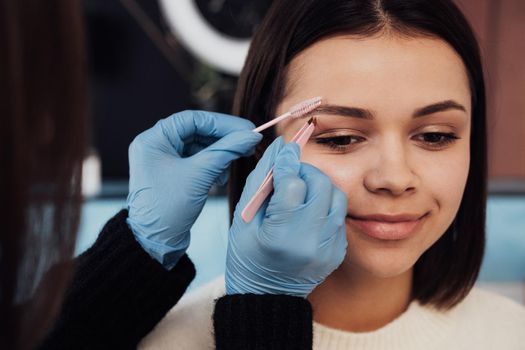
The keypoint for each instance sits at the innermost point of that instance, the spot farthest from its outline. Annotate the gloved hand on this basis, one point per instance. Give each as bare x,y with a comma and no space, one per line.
172,167
296,239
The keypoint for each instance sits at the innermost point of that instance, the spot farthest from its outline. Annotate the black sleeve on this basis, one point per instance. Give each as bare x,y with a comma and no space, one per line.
118,293
249,321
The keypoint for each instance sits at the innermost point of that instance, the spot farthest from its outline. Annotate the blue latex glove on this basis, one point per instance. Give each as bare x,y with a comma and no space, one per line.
172,168
296,239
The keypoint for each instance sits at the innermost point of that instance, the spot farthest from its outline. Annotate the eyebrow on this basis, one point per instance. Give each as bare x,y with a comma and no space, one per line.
362,113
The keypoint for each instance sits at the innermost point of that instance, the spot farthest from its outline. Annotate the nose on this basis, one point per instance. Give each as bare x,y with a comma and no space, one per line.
391,172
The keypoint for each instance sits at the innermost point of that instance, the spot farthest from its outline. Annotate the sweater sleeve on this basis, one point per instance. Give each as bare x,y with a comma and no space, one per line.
249,321
118,293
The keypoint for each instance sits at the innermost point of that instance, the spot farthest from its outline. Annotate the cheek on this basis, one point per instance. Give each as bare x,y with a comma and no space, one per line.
443,176
337,167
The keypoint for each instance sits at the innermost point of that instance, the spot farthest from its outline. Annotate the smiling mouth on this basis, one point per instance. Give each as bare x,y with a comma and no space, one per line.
389,228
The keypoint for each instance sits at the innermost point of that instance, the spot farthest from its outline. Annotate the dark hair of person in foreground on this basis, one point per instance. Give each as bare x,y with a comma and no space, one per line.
446,272
42,144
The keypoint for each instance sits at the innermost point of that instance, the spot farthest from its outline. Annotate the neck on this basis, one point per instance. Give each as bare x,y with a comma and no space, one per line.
353,300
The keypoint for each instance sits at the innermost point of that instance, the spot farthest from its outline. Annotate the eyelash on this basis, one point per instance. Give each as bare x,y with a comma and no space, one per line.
343,143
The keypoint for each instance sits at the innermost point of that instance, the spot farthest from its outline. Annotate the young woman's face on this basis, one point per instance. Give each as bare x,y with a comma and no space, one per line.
393,135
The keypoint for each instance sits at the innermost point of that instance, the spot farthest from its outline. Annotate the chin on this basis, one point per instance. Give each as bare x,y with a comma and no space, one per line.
380,264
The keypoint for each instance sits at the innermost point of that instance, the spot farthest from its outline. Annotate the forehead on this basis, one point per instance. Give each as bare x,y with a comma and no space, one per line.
378,71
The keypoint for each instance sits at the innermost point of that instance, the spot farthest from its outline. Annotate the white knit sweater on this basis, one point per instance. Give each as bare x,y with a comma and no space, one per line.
483,320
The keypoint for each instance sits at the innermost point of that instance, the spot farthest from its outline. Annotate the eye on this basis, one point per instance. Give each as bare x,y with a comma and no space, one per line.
339,143
438,139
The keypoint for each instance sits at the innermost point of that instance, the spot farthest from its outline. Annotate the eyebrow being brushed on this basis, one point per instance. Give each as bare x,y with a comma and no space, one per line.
361,113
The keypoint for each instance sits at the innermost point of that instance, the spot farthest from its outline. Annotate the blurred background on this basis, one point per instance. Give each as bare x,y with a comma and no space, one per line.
151,58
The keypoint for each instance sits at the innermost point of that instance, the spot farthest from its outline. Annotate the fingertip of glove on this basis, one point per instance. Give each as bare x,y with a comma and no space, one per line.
294,148
257,136
341,195
241,141
287,161
248,136
278,142
288,155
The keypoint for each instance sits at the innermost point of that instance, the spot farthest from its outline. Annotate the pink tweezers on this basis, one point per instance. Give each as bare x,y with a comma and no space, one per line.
301,137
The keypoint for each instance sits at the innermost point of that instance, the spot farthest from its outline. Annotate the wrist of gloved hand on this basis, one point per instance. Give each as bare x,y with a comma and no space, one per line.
166,254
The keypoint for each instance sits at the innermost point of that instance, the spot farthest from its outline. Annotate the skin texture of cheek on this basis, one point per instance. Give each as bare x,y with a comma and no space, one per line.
341,172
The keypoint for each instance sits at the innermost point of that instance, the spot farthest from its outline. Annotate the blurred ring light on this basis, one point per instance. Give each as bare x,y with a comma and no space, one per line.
201,39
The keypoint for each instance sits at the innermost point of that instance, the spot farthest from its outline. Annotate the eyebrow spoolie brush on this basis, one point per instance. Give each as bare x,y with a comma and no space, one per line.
296,111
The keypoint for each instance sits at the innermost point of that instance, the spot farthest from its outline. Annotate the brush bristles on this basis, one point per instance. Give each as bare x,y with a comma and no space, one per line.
305,107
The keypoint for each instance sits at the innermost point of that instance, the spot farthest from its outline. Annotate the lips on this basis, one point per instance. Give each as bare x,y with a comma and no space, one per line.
387,227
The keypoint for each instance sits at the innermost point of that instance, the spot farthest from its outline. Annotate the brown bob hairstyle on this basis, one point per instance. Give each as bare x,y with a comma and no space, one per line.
446,272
